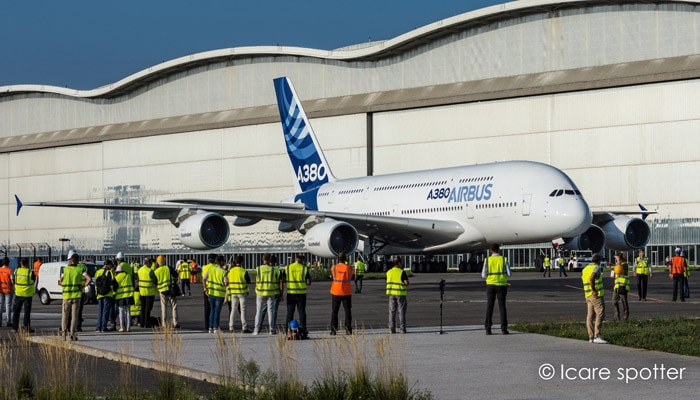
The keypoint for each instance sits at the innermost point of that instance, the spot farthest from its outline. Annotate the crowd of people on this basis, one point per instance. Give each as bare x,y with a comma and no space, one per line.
126,292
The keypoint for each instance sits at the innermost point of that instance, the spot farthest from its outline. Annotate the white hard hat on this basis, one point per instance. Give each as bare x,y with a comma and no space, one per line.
71,253
678,250
120,256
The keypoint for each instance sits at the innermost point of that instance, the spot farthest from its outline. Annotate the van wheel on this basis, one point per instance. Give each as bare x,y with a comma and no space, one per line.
44,297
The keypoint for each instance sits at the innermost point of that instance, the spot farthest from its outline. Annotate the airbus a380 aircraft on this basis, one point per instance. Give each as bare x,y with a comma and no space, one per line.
441,211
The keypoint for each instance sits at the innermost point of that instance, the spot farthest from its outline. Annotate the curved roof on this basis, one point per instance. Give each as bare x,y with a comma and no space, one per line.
375,51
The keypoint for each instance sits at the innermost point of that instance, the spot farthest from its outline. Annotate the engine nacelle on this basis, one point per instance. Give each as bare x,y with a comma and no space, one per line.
592,239
204,231
329,238
626,233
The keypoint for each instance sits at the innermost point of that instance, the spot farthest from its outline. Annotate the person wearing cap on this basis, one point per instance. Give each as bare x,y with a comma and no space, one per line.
73,281
396,284
105,302
120,261
592,277
677,270
124,298
146,284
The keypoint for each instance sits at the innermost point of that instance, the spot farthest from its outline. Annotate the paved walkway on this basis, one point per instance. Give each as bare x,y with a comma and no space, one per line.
462,363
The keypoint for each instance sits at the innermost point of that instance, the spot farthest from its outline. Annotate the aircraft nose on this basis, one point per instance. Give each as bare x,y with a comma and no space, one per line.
576,218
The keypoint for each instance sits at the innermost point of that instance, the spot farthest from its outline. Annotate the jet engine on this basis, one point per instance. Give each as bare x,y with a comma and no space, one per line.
626,233
204,231
329,238
592,239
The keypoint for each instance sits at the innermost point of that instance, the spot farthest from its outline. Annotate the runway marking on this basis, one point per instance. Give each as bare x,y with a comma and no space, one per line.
635,295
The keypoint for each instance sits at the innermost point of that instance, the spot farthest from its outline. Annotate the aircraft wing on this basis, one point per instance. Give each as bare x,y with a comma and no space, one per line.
410,232
395,230
603,217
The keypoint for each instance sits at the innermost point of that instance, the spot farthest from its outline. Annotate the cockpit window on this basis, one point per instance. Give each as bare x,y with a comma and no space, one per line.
561,192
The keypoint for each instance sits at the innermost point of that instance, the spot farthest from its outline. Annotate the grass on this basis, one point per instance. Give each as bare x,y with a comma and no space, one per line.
357,366
668,334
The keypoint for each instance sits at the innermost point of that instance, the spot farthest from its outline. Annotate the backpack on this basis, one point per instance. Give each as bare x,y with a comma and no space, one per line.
103,284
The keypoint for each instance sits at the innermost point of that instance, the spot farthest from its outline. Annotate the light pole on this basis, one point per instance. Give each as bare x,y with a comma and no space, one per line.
63,240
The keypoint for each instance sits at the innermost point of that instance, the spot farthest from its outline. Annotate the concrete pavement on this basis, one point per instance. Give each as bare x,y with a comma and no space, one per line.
462,363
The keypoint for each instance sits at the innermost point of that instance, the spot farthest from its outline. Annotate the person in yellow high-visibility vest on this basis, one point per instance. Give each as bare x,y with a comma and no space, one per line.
147,288
592,277
622,286
23,282
184,270
215,283
496,272
73,281
359,274
297,280
643,272
396,284
238,288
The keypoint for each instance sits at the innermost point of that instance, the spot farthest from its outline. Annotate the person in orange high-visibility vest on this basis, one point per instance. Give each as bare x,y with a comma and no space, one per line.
341,293
677,273
7,291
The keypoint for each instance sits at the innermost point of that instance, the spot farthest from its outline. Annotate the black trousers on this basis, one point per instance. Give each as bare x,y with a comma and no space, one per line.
20,302
642,283
296,301
347,307
493,292
678,282
146,308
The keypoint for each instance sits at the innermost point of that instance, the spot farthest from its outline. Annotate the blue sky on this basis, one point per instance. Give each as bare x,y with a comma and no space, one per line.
84,44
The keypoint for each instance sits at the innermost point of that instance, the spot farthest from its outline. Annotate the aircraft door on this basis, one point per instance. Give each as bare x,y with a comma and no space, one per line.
395,210
527,201
470,211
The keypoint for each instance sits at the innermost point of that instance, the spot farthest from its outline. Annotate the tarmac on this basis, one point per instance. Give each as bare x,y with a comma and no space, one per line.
459,363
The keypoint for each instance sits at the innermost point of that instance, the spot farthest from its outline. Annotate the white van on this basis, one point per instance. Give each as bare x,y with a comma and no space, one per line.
48,288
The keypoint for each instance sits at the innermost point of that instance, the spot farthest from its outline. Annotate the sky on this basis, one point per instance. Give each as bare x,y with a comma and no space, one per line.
85,44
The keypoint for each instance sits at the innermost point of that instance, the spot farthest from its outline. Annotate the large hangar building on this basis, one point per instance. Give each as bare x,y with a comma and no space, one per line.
607,91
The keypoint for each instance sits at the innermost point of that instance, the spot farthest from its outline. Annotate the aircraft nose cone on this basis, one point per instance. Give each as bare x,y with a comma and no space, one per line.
576,218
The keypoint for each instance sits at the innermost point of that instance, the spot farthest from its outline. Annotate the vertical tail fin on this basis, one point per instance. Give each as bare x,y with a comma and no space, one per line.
310,167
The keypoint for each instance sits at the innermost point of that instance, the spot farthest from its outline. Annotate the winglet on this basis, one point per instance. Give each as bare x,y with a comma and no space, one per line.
644,214
19,204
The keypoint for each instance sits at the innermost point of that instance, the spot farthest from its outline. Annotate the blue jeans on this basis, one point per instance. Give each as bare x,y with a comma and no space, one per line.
105,306
266,304
215,304
6,305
